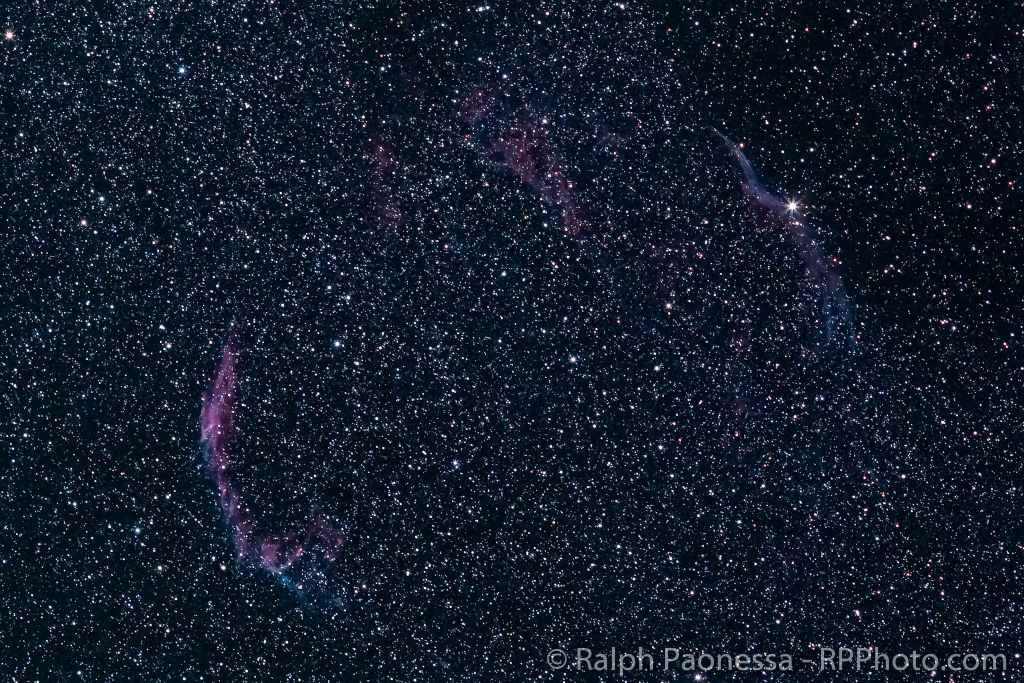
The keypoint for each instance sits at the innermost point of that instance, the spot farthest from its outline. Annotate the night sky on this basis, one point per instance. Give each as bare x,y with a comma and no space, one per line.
378,341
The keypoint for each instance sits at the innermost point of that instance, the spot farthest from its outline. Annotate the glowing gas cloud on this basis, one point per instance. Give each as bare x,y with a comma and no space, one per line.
821,276
302,559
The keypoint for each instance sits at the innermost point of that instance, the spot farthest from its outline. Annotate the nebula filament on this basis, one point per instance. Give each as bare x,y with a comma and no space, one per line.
821,277
305,559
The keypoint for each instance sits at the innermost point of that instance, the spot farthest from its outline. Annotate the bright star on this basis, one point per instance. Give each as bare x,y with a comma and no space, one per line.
792,205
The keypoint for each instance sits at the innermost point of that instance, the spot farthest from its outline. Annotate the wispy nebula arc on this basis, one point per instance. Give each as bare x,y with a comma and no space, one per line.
217,432
752,186
522,143
821,276
528,153
318,541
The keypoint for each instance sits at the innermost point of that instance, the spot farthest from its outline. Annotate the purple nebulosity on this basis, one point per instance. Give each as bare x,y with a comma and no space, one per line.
217,432
523,145
752,187
528,153
274,552
819,270
383,162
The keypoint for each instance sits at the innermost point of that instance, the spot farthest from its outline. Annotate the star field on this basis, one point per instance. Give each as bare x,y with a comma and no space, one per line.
389,342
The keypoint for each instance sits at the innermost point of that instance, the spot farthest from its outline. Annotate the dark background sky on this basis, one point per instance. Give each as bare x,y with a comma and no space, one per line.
524,444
